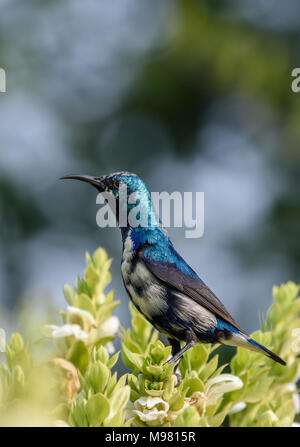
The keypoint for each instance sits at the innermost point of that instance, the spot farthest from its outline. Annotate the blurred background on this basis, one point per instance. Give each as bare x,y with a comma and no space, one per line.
192,96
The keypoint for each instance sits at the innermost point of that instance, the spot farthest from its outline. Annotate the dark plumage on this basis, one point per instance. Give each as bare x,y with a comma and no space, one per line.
163,287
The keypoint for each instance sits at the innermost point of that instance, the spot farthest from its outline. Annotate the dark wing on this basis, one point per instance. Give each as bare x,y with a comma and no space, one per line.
190,286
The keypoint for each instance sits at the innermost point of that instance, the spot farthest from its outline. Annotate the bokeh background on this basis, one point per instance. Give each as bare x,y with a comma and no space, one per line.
192,96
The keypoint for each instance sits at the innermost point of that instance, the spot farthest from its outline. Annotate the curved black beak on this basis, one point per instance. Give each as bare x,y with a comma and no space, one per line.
95,181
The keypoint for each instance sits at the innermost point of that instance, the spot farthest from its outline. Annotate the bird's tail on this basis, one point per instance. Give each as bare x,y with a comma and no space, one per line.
239,339
255,346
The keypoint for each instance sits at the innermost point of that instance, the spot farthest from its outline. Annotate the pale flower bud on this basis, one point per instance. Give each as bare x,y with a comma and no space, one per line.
109,327
53,331
152,410
68,382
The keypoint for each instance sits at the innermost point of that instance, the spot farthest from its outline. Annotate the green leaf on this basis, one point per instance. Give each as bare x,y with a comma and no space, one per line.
119,400
92,277
198,356
193,384
16,343
99,257
69,293
258,390
116,421
113,360
209,368
188,418
132,360
97,409
217,419
78,416
159,353
84,302
102,355
111,385
177,401
142,327
154,371
79,356
82,286
98,376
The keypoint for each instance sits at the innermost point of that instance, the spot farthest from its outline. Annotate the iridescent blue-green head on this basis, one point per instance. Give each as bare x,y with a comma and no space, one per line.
130,193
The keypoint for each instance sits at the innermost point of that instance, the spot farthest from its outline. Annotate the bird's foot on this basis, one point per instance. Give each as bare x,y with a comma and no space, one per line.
175,372
173,359
179,378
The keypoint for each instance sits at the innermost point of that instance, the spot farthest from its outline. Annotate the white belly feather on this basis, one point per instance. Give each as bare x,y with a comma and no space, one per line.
152,301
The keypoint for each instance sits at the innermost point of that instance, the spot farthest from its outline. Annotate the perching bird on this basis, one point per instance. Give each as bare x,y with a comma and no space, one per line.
163,287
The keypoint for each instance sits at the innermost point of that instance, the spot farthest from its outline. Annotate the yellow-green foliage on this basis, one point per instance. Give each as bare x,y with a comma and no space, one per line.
269,388
89,314
102,398
75,385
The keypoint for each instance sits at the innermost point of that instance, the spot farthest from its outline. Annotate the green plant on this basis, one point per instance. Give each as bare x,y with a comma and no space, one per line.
74,385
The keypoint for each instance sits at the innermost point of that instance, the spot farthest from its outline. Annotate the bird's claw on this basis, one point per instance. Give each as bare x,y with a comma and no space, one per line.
179,378
176,374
